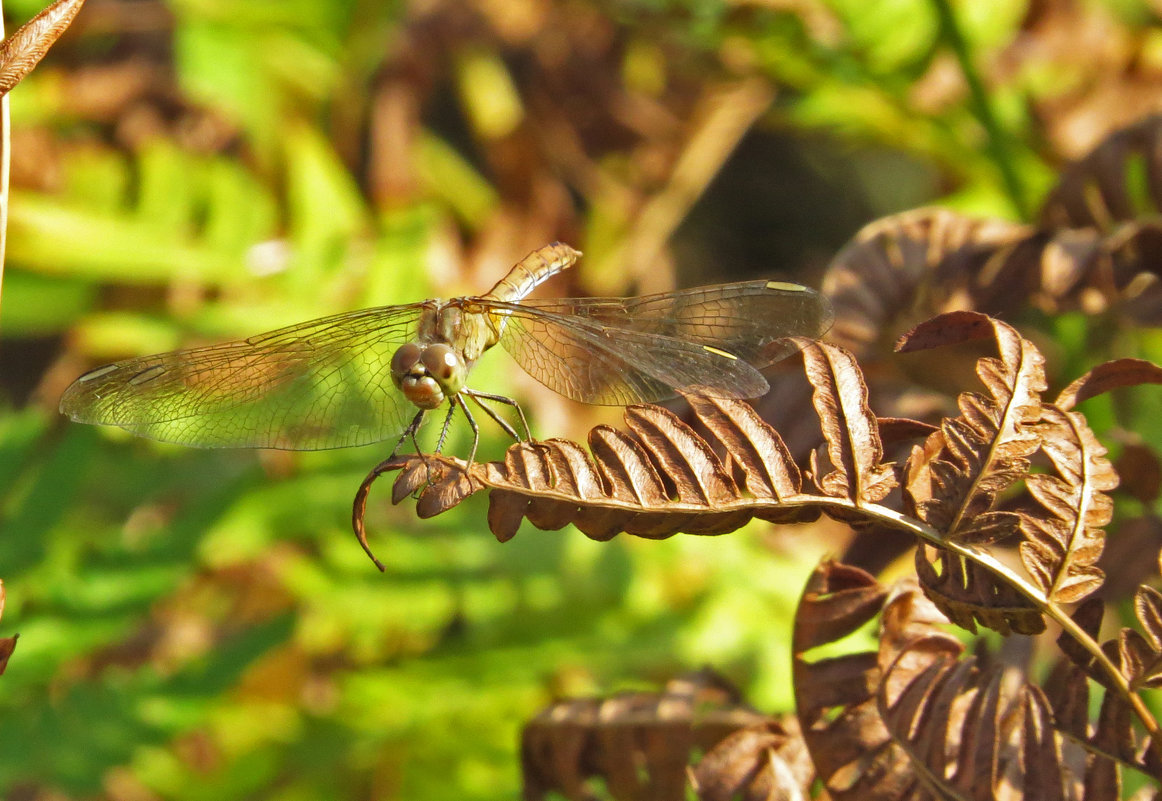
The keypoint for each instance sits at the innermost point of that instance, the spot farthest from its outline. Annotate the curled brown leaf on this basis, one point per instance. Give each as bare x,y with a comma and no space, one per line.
1063,542
765,762
1096,191
1109,376
835,696
1148,644
23,50
639,743
849,427
910,266
968,594
954,480
986,449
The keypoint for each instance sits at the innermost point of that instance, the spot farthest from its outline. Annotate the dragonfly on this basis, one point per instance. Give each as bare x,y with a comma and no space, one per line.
371,375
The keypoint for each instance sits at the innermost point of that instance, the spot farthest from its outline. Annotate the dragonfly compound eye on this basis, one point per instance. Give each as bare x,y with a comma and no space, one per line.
404,361
444,365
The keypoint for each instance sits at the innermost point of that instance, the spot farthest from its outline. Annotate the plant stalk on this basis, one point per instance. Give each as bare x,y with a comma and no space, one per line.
999,144
5,170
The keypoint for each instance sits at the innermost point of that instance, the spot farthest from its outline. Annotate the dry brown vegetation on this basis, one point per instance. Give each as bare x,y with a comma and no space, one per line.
1006,493
447,136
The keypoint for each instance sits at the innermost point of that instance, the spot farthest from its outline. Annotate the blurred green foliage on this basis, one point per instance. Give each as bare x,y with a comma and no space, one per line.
202,624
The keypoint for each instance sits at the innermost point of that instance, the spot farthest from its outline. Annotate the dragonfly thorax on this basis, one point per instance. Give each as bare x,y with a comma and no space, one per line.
428,375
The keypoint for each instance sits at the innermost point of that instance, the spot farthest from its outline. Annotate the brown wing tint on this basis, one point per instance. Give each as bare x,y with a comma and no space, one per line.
629,350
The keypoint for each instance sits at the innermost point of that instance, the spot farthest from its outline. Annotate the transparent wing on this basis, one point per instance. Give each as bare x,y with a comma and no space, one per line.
322,384
629,350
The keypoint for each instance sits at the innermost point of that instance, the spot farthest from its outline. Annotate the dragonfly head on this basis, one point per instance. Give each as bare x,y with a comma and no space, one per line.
428,375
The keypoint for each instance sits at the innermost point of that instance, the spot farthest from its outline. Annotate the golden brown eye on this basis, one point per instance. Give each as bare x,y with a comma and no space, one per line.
440,361
405,358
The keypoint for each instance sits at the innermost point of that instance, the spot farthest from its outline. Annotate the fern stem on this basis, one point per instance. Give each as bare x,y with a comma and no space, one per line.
998,140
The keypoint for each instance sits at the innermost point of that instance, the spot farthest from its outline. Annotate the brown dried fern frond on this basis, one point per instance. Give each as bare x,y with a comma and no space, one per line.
1137,657
965,734
766,762
1096,248
916,718
1062,544
639,744
1119,180
920,719
970,488
660,477
954,480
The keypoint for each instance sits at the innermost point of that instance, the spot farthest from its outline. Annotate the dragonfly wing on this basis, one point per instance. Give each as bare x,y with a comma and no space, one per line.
322,384
626,350
602,365
747,319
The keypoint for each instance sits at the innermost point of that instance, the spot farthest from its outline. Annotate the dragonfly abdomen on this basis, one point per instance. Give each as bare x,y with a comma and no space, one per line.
532,271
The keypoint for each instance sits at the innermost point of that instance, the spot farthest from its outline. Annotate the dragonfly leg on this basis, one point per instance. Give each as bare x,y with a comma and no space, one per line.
479,397
408,433
444,429
411,432
500,421
439,443
458,398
